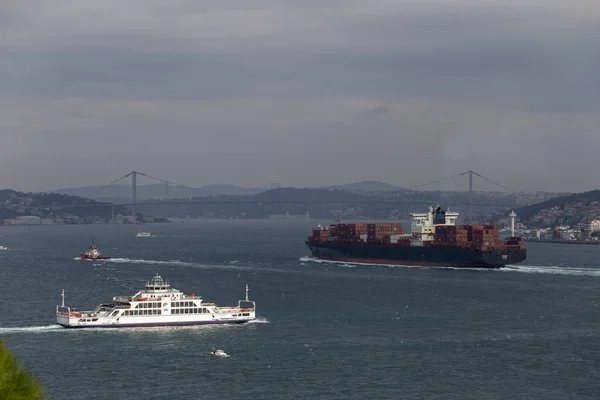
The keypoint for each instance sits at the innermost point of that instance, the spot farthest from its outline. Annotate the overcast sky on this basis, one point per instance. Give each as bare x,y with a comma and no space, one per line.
302,93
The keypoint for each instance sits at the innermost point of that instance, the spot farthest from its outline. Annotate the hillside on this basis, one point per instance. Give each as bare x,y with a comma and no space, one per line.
119,193
366,186
52,205
122,192
528,212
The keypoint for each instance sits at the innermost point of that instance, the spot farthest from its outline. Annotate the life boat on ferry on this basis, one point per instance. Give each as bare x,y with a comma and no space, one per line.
92,253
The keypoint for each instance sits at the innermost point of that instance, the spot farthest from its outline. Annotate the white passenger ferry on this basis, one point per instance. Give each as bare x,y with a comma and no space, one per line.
155,305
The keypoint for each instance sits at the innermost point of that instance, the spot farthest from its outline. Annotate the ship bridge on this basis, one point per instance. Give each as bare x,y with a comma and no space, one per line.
157,285
424,223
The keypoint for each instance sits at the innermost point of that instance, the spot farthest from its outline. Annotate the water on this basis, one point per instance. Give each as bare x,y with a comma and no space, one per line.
326,330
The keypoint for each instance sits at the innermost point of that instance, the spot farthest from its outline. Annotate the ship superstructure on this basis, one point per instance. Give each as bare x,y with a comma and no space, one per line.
156,305
93,253
435,239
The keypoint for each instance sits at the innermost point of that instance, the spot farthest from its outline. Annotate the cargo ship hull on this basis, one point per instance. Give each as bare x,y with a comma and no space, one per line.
416,255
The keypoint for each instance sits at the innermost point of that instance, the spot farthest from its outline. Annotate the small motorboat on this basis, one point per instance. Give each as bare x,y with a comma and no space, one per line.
3,248
93,253
143,234
219,353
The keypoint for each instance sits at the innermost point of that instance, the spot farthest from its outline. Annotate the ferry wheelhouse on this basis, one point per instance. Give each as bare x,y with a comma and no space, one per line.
156,305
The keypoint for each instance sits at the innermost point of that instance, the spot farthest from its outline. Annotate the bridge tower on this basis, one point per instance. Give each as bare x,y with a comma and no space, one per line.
134,195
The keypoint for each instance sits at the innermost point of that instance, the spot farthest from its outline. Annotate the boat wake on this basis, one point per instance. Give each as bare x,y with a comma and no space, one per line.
552,270
31,329
346,264
259,320
153,262
528,269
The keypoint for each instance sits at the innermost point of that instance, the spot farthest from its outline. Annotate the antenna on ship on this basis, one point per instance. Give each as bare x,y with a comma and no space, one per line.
63,298
247,292
512,216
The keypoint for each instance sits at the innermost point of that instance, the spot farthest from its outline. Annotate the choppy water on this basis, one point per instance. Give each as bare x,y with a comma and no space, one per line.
326,330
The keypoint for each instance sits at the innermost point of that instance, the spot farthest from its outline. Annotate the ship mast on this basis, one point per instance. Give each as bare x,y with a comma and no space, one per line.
63,298
247,292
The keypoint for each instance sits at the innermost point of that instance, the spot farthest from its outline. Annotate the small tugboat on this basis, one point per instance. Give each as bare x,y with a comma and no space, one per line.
93,253
219,353
155,305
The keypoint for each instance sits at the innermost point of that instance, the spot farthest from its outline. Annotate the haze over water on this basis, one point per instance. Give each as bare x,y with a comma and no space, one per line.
325,330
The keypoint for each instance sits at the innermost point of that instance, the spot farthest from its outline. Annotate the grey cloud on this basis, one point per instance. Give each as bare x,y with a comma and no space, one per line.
278,91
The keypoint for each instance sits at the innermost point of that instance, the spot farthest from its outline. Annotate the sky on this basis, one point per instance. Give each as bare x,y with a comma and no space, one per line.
300,93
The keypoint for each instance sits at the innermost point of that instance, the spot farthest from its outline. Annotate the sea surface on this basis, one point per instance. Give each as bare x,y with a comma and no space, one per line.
325,330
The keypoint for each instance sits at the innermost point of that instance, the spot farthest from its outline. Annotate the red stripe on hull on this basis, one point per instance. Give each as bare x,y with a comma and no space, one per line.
94,258
401,262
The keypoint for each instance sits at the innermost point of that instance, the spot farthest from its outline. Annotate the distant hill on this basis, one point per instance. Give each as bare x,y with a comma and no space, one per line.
304,195
14,204
366,186
527,212
119,192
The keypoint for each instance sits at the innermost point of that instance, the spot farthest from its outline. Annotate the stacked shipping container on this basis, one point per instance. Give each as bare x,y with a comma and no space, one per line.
479,236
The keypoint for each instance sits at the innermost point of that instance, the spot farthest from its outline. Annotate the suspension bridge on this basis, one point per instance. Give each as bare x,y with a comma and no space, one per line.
135,203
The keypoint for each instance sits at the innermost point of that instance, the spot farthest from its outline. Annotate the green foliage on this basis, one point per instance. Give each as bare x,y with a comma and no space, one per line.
16,382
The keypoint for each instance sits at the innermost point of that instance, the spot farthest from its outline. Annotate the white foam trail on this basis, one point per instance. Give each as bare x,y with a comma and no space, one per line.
528,269
31,329
347,264
260,320
552,270
153,262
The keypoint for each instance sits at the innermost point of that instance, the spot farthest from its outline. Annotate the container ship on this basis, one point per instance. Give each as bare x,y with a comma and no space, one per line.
435,240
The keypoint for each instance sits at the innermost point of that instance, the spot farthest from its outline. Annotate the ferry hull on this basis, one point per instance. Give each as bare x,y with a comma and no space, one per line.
157,324
107,322
416,255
